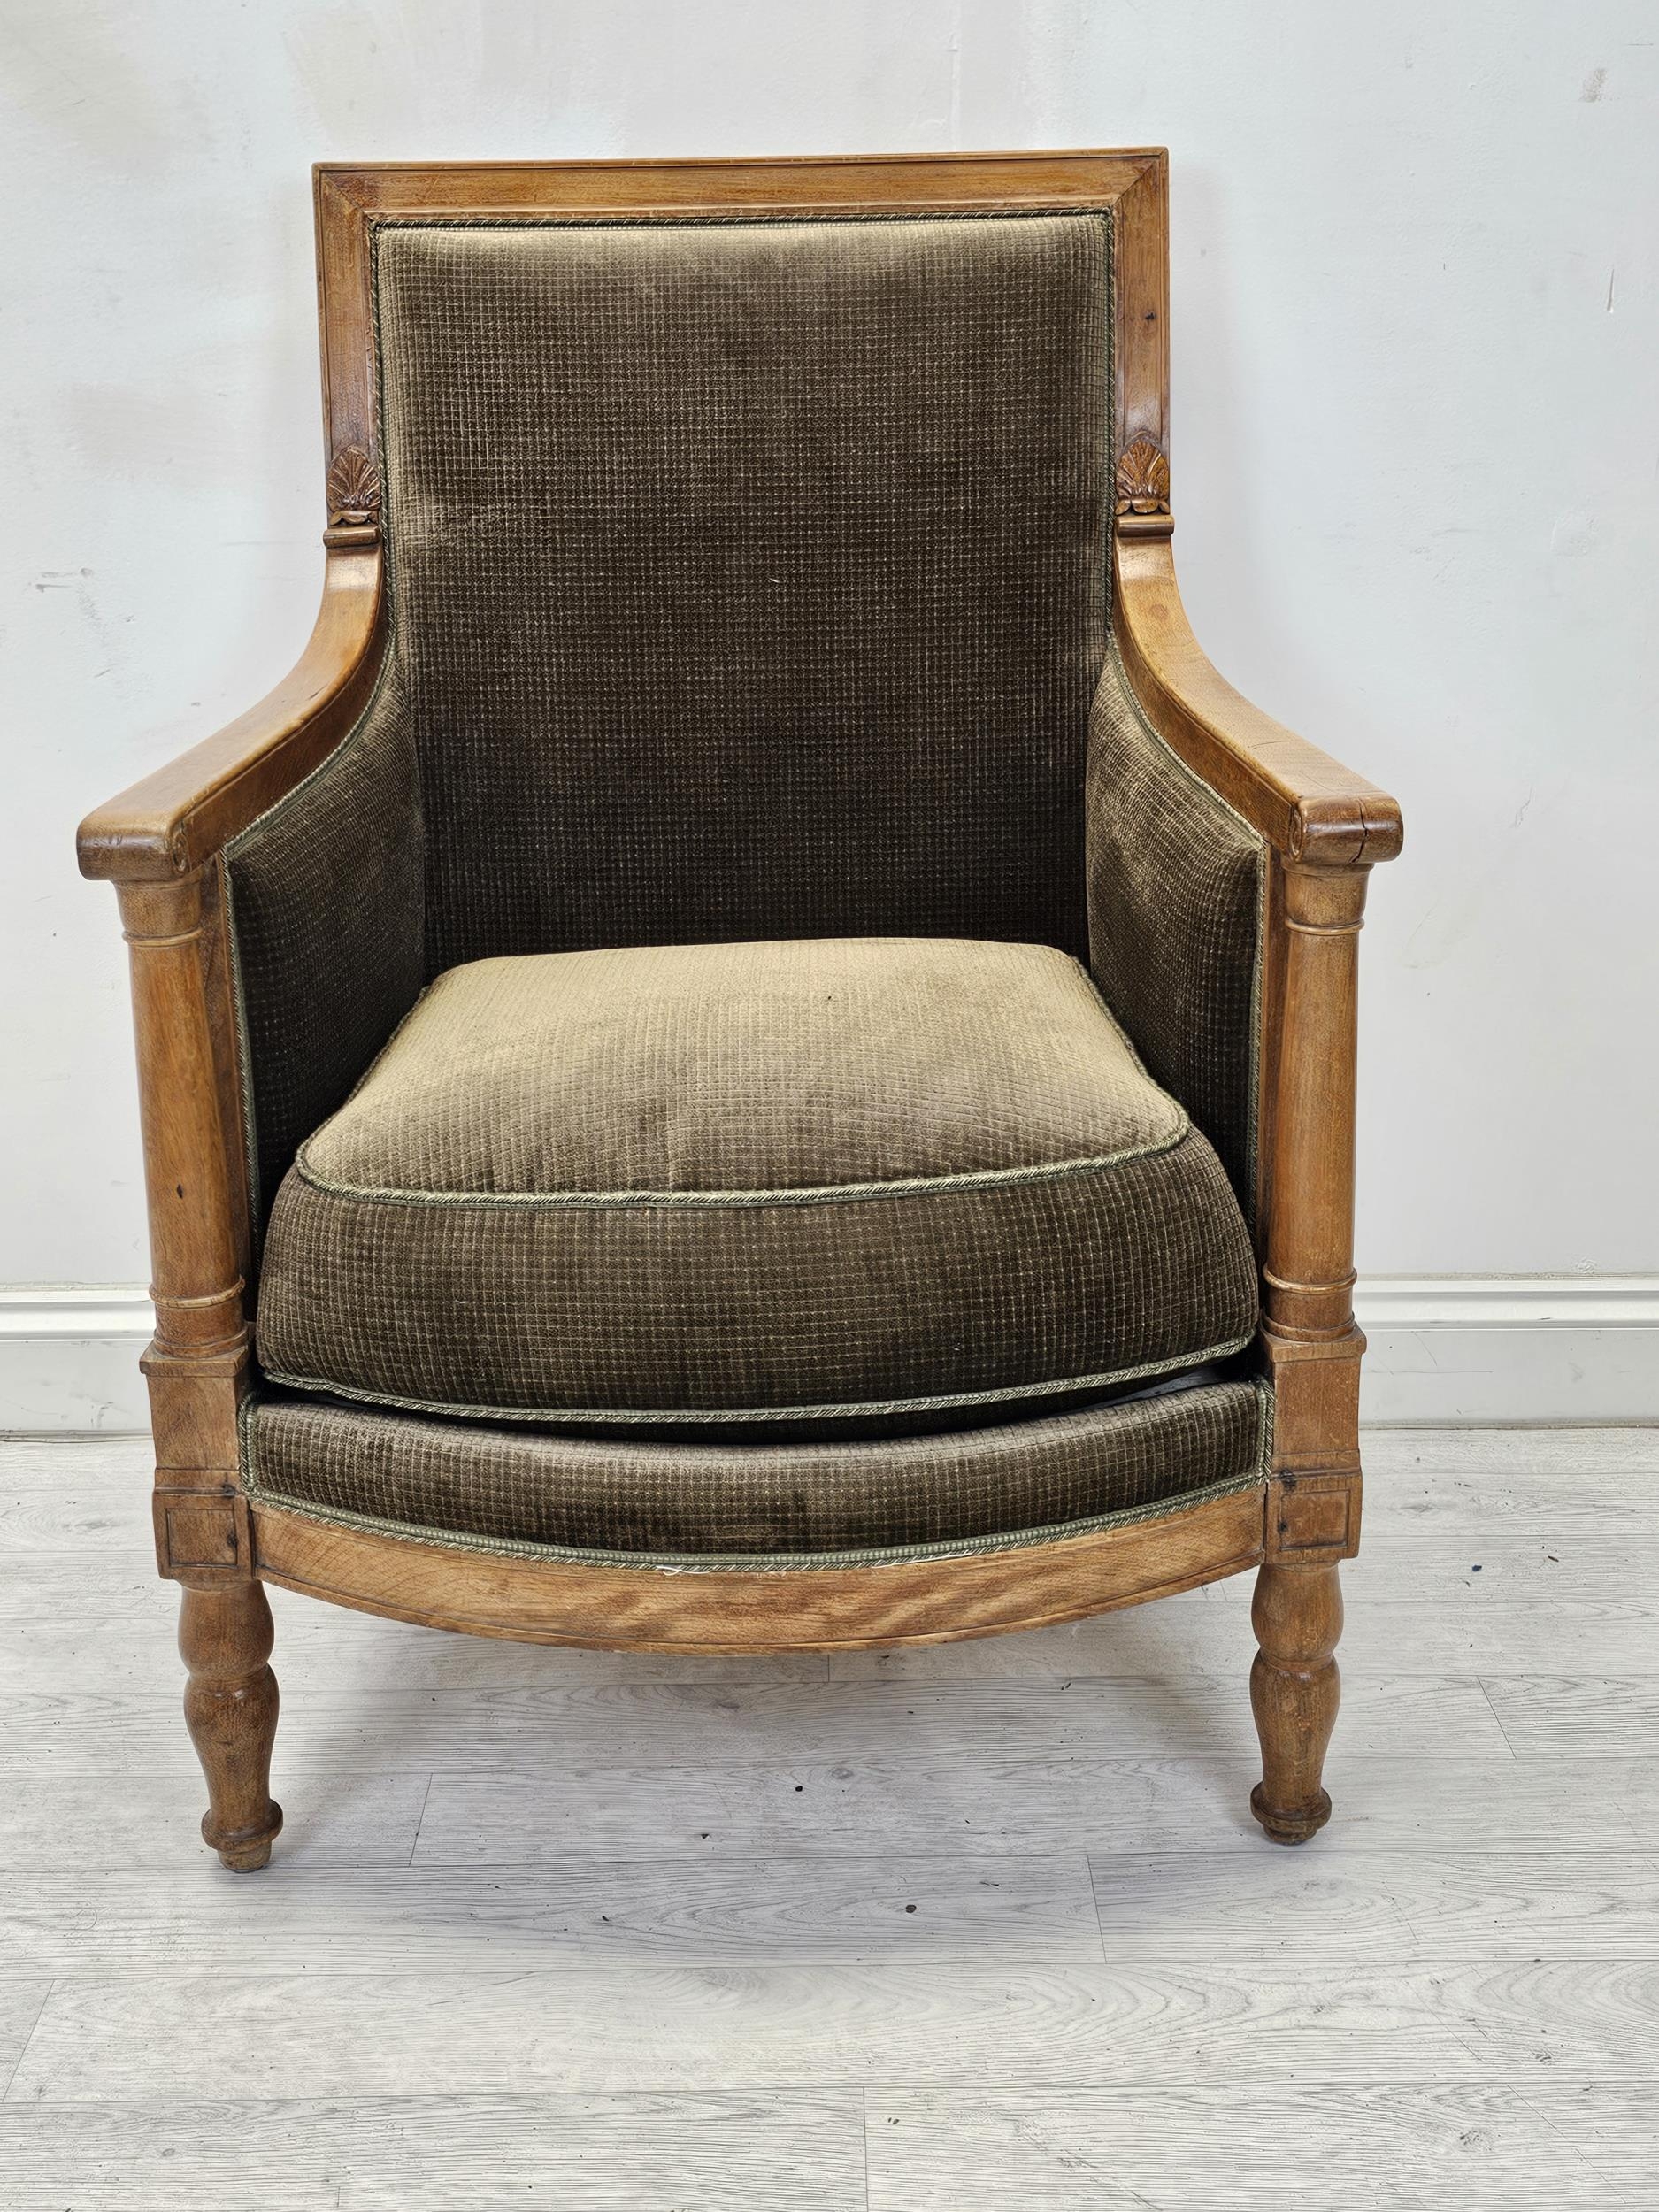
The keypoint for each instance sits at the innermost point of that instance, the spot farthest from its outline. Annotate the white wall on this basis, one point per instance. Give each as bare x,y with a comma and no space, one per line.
1415,467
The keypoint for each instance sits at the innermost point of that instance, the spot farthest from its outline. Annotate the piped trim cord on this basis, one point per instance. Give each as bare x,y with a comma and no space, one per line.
803,1195
796,1194
752,1563
674,1417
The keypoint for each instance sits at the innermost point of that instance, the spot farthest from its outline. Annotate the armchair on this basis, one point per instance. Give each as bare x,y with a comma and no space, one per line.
754,1052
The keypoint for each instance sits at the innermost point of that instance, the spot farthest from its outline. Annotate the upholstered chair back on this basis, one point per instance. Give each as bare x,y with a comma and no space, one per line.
748,577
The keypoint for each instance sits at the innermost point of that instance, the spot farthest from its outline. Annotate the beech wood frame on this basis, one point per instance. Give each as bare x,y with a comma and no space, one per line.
162,842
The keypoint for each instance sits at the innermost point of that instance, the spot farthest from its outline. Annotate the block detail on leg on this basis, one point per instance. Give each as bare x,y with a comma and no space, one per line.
1294,1692
230,1708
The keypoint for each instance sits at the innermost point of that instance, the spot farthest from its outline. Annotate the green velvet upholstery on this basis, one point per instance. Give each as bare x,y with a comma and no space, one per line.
755,569
326,899
1176,881
504,1487
816,1177
750,643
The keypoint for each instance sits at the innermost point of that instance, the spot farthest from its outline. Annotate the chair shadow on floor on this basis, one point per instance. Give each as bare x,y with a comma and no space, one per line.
798,1755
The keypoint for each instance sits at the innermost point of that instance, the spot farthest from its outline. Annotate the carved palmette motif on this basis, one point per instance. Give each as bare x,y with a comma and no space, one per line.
1143,480
354,488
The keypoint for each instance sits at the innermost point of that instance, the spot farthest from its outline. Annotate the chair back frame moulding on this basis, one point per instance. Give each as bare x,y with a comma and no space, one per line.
162,843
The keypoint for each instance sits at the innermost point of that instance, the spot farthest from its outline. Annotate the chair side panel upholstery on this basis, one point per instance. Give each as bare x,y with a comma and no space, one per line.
1176,907
327,895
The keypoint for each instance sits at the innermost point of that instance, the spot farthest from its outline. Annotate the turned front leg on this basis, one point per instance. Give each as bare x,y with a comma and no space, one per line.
230,1708
1294,1691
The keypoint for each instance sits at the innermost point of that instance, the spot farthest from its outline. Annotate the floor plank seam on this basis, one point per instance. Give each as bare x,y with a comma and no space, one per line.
1337,2087
1094,1891
40,2013
1593,2170
414,1841
1132,1850
305,1868
1497,1716
1140,1965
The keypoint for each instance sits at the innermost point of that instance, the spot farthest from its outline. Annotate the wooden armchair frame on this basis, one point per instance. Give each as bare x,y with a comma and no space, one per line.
161,842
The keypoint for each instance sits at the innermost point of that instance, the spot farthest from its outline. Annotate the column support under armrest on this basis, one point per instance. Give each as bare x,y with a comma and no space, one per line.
196,1365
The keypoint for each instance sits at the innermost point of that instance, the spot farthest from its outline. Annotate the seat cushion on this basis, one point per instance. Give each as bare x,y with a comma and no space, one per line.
805,1181
500,1486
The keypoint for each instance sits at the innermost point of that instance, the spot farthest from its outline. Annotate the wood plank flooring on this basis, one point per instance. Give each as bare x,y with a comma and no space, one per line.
980,1926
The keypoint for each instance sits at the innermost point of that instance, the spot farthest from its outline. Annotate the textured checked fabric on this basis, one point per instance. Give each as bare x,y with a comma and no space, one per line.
747,1068
753,1181
750,576
515,1487
327,897
1175,889
748,583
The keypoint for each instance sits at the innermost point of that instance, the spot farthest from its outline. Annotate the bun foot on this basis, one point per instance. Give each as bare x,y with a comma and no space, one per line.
241,1851
1290,1827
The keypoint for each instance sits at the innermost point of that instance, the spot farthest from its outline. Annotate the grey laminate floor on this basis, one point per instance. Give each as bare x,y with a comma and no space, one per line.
982,1926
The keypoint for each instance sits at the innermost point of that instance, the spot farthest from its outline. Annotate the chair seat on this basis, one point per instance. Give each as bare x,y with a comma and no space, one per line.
811,1182
623,1495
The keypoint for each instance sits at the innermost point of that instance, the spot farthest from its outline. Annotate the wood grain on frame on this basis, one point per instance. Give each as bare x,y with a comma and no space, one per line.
1323,827
823,1609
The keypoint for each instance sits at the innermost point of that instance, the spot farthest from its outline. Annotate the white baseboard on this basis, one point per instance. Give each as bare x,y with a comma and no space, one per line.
1443,1348
1517,1347
69,1357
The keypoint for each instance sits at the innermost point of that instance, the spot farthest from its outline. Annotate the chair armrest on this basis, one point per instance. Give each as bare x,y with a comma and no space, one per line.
175,819
1324,827
1310,808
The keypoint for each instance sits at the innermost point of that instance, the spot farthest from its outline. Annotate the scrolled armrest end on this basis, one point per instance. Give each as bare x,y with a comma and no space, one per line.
110,847
1355,830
